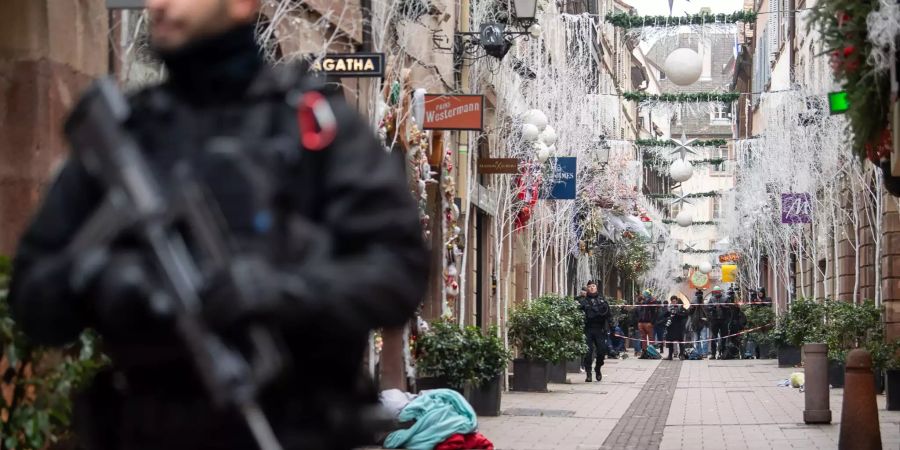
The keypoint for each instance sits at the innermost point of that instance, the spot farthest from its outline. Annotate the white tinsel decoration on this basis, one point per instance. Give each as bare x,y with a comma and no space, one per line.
883,27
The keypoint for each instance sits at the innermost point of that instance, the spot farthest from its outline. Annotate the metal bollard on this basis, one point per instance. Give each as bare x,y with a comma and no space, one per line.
859,415
815,367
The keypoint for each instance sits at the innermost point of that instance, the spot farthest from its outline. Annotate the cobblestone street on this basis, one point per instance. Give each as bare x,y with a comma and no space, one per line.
645,404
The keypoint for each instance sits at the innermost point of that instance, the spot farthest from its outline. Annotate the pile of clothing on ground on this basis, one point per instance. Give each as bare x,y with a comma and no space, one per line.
439,419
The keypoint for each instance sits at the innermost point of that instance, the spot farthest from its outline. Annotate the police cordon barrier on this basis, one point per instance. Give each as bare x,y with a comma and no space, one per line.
660,305
654,341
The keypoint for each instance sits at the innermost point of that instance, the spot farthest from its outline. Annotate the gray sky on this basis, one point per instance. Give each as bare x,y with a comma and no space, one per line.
661,7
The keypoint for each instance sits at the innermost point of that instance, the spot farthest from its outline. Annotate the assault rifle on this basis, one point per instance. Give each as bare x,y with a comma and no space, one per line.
165,223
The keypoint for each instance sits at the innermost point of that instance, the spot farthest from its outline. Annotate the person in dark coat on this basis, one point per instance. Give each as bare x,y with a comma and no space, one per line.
645,312
661,325
678,318
718,322
334,190
698,323
596,329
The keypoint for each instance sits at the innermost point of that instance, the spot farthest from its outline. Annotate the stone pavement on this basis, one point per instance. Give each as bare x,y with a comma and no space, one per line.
714,405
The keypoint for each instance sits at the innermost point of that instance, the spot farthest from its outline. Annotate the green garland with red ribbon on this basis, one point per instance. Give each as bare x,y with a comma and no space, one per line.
842,24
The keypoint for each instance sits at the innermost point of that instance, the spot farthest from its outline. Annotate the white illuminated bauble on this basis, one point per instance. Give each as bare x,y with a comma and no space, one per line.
683,66
537,118
549,135
543,152
530,132
681,170
535,31
705,267
684,218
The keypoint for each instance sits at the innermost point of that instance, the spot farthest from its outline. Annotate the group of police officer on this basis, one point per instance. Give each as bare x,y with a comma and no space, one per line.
719,321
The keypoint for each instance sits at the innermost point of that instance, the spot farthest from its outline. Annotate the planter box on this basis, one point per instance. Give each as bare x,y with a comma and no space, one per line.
892,390
530,376
879,382
485,399
428,383
558,373
788,356
836,373
573,366
765,351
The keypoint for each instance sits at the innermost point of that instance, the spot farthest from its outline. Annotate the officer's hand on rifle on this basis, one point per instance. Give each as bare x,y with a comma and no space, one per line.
123,289
249,290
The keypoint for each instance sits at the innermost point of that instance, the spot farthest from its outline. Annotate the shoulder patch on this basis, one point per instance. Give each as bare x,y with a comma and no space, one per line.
316,121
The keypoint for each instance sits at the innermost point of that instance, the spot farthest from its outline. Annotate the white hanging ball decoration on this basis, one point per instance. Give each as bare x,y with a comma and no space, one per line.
684,218
535,31
530,132
705,267
683,66
549,135
537,118
543,152
681,170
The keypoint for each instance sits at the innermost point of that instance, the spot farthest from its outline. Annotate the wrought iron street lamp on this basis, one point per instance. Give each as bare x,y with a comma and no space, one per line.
526,10
494,37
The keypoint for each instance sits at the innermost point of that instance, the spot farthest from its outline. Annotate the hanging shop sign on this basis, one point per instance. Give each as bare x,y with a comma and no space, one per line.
488,166
796,208
729,273
729,257
698,280
357,65
563,185
838,103
454,112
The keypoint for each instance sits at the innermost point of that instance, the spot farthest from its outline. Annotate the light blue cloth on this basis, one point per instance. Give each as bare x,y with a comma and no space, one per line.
439,414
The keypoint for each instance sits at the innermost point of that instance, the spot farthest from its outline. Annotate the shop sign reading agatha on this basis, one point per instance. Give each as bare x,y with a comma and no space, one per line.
351,64
454,112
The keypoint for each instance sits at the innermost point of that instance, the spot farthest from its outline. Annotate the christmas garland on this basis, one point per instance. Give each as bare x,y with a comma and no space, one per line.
698,252
625,20
708,222
651,161
844,28
689,97
670,143
695,195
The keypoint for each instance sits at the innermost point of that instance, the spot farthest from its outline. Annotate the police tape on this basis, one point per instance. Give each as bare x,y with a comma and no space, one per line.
654,341
657,305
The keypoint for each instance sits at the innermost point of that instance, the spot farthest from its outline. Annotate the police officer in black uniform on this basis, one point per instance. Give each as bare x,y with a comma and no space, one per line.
718,321
596,328
347,233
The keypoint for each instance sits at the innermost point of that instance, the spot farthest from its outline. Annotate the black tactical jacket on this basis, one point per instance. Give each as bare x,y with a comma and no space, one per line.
352,192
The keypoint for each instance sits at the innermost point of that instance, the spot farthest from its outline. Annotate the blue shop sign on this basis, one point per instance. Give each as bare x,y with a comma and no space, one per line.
564,172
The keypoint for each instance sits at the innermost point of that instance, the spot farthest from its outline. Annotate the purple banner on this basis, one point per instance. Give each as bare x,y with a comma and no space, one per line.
796,208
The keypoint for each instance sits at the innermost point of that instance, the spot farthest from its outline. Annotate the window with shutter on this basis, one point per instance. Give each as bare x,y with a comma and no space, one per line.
772,30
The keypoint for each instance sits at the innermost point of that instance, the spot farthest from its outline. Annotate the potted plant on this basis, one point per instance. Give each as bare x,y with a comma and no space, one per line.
443,359
852,326
489,358
571,336
545,330
802,324
760,318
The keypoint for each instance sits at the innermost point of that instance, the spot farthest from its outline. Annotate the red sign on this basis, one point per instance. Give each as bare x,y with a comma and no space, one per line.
454,112
729,257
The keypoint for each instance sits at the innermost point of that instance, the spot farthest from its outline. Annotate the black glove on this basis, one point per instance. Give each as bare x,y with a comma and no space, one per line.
124,290
250,290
